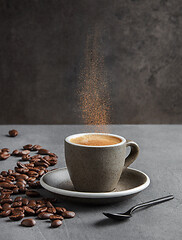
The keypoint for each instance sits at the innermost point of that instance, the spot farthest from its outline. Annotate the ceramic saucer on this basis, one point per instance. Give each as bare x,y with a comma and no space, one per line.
132,181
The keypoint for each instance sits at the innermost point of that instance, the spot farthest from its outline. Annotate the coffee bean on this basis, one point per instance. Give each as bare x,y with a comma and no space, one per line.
15,152
25,201
43,151
11,177
2,179
42,209
43,164
16,217
33,174
6,200
36,147
22,176
56,217
51,210
6,206
16,190
18,199
53,162
14,211
25,157
5,149
5,213
4,155
16,204
25,152
4,173
32,193
68,214
7,185
32,204
22,181
21,170
37,156
49,204
7,191
60,210
28,147
4,196
29,210
15,174
20,184
31,179
56,223
21,165
44,215
29,165
29,222
13,133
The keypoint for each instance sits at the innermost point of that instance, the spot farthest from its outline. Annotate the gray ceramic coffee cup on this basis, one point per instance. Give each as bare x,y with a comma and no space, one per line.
98,168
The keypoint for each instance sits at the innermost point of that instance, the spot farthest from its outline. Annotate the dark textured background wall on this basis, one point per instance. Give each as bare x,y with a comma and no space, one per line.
41,49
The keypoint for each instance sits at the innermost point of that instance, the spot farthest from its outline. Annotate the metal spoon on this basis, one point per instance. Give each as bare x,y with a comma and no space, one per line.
128,214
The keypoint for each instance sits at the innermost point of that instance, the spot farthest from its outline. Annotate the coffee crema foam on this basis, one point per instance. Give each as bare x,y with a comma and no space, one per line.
96,140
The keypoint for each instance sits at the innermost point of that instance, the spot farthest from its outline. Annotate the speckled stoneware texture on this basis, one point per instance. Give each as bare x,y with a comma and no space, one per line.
98,168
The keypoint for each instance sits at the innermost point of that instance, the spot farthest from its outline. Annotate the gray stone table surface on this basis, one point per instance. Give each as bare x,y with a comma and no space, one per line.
160,157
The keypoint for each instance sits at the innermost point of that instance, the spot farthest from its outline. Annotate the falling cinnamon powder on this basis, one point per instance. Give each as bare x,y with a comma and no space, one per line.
94,98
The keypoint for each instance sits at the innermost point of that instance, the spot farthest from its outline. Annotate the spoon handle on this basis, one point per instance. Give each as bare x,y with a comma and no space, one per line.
150,203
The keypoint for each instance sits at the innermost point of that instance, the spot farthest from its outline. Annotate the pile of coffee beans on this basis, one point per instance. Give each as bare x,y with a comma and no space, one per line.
24,179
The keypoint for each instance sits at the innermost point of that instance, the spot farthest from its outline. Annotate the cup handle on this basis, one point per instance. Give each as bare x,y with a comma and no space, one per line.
133,153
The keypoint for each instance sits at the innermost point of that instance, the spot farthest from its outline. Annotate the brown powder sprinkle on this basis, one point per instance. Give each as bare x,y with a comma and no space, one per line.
94,98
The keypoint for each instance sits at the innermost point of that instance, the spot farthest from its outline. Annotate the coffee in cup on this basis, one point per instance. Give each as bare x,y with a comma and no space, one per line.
95,140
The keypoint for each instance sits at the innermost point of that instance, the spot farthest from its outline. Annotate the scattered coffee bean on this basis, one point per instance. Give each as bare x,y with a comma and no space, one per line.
36,147
32,193
27,176
32,204
6,206
28,210
4,155
14,211
15,152
68,214
25,201
33,174
49,204
6,200
51,210
29,222
56,223
60,210
42,209
4,173
5,213
13,133
56,217
44,215
43,151
16,190
16,217
18,199
5,149
23,176
16,204
25,157
28,147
